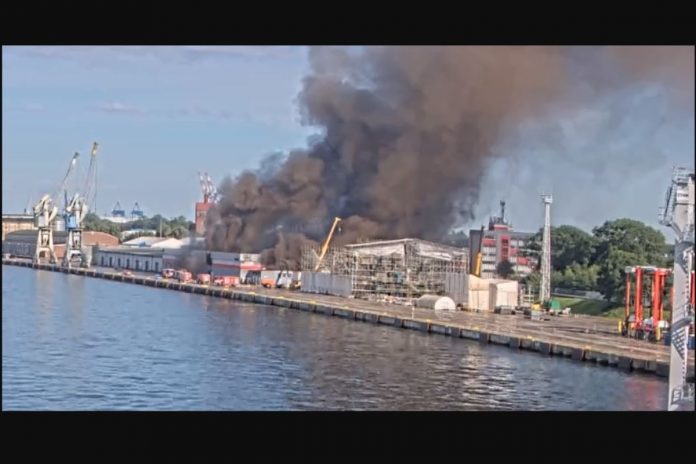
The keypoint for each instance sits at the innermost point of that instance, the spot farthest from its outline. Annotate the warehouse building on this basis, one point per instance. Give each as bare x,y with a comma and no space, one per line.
234,264
135,259
22,243
386,269
15,222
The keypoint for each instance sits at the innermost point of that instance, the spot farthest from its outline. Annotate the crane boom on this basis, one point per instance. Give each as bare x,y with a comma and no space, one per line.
64,182
327,242
89,191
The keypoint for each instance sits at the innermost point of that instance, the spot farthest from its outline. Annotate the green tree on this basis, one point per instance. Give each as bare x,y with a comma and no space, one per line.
633,237
576,277
532,280
611,281
622,243
569,245
504,269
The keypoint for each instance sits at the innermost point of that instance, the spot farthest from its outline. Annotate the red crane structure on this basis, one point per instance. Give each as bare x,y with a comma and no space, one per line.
210,196
637,327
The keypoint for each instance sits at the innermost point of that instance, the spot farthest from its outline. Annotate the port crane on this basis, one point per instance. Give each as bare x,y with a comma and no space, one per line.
75,211
45,212
678,214
327,242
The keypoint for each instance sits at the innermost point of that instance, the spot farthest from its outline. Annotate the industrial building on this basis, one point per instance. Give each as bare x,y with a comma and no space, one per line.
499,243
14,222
22,243
233,264
136,259
406,268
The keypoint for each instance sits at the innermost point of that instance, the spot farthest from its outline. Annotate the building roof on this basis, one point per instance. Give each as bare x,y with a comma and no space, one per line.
495,233
419,247
188,241
89,237
142,241
19,216
153,252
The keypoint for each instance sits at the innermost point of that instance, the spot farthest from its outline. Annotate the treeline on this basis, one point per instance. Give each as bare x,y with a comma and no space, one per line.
178,227
596,261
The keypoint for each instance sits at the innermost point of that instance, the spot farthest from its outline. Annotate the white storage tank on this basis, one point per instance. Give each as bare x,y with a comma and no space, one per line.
436,302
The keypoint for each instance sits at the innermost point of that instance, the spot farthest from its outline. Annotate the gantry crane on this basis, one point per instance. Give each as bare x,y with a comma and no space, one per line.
75,211
637,327
678,214
327,242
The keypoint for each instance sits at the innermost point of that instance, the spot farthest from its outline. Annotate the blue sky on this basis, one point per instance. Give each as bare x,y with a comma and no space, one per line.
161,114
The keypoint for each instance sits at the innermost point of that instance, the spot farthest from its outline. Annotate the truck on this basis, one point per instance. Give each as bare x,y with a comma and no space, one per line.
203,279
183,276
226,281
281,279
168,273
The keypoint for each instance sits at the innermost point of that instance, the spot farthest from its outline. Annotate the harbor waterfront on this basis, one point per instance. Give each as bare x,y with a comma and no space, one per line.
76,343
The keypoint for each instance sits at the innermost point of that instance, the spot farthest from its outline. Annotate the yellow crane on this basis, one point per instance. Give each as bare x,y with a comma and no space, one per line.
327,242
479,255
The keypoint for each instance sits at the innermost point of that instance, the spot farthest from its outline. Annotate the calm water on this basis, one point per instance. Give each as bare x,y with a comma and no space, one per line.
73,343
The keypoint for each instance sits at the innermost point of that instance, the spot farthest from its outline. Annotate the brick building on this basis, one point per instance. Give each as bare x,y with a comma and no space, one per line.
500,242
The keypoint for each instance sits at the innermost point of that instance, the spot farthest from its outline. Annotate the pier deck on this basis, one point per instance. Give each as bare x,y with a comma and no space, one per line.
582,338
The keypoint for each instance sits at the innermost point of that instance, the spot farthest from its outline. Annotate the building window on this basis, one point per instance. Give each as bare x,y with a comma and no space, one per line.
102,260
119,262
137,264
127,263
156,267
147,265
111,261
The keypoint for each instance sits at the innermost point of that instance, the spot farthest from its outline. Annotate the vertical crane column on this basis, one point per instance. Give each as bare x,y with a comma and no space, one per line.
655,296
639,297
627,310
545,293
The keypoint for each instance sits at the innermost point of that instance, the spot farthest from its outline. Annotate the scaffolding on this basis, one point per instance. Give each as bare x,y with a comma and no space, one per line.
406,268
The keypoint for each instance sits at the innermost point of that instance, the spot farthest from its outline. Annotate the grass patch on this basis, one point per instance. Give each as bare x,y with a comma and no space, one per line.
599,307
591,307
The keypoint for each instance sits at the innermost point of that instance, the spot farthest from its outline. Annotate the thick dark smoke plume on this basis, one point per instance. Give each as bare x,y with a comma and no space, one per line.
407,134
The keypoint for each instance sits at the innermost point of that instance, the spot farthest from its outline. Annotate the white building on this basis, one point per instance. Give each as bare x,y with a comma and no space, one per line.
481,294
131,258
